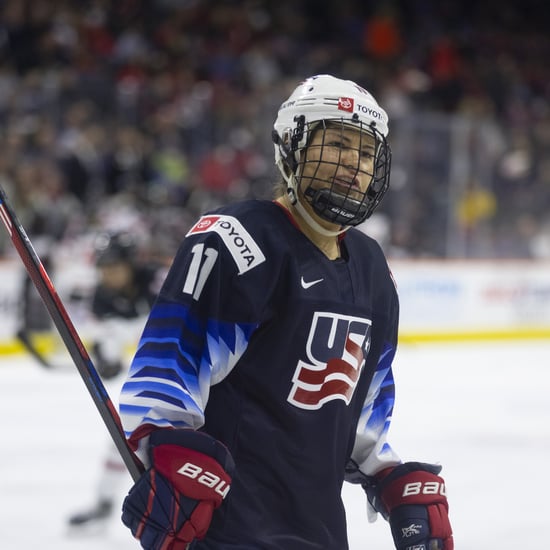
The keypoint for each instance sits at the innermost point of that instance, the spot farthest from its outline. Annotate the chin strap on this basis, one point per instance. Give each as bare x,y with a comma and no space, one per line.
308,218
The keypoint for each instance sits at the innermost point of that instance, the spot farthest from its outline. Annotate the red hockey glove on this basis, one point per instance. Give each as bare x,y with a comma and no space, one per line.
412,496
172,503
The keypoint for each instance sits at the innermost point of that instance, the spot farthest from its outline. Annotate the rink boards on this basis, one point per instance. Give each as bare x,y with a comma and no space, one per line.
440,300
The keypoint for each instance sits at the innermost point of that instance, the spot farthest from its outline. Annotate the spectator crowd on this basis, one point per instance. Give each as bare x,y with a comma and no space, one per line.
139,115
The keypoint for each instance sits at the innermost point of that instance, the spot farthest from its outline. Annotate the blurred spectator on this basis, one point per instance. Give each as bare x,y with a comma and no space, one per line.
382,37
146,101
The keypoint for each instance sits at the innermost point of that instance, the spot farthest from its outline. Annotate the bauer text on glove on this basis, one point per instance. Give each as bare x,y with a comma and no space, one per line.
412,497
172,503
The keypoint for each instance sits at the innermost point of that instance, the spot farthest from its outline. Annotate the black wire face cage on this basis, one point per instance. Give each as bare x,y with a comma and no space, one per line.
344,169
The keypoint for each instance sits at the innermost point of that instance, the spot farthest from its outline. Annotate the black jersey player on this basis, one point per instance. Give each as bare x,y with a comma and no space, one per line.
119,304
263,378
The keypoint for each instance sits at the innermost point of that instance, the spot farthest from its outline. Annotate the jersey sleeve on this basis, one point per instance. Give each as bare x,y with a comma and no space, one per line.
199,327
372,452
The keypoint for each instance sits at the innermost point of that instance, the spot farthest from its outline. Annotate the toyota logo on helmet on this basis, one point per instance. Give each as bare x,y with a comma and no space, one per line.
345,104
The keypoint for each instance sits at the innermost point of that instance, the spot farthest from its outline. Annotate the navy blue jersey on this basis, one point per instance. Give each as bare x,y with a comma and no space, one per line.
285,356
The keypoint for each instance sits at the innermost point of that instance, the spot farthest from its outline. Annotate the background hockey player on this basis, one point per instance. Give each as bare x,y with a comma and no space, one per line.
120,302
263,379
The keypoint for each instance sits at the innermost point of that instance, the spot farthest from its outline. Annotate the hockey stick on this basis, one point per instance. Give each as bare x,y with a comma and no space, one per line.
68,333
25,339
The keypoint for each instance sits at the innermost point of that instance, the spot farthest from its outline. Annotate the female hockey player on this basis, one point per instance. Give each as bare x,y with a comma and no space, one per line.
266,362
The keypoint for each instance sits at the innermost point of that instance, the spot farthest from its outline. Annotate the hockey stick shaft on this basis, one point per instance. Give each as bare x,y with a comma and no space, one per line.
68,333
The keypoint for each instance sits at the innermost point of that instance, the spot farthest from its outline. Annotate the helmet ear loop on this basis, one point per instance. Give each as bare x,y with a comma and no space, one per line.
287,162
289,147
295,140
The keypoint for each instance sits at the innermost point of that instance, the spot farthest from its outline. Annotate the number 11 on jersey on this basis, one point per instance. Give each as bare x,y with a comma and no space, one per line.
201,265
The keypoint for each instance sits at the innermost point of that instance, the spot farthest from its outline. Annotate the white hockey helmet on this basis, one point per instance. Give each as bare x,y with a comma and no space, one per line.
321,100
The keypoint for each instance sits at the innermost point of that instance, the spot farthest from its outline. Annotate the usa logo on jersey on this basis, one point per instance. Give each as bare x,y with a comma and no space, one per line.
336,349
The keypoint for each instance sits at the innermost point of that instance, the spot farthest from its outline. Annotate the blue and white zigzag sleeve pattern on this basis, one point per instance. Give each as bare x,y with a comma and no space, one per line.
179,358
372,452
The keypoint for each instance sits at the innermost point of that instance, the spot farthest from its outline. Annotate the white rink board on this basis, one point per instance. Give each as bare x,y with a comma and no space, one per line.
436,298
467,296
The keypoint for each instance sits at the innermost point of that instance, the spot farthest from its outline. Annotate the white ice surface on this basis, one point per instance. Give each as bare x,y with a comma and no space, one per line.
483,411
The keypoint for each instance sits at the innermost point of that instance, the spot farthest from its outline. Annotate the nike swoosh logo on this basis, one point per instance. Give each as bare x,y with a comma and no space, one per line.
307,284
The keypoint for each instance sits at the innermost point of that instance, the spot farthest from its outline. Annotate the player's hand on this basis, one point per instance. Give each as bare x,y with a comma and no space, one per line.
172,503
414,497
